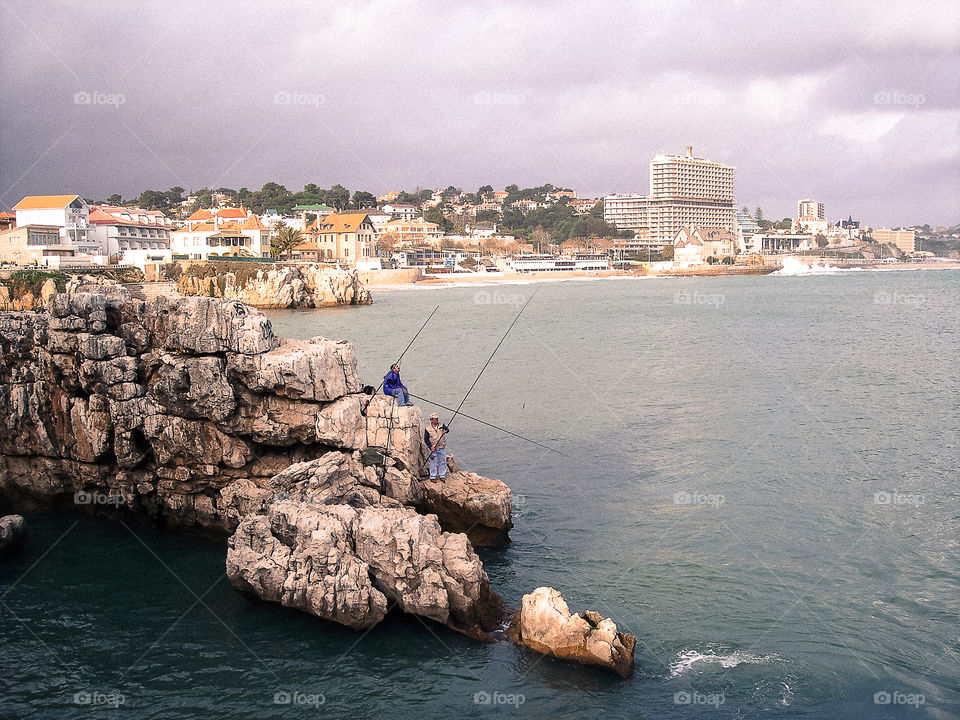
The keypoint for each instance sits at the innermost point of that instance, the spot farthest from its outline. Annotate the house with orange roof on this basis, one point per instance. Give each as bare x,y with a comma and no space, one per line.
413,231
338,237
7,220
69,213
226,232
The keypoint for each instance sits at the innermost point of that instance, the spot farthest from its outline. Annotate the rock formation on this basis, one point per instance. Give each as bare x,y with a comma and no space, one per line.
544,624
11,532
190,412
284,286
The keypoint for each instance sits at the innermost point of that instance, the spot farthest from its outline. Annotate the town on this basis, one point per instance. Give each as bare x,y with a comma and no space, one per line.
690,218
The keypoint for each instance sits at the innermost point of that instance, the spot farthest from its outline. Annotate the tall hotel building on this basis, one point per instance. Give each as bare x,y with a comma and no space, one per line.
684,190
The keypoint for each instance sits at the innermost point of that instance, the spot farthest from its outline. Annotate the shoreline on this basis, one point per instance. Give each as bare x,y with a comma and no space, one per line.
441,282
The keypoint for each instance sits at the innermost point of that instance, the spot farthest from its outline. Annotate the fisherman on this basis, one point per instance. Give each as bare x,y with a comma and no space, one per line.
435,436
393,387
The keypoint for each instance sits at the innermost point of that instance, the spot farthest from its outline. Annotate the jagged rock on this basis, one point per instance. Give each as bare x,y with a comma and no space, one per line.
545,625
344,564
315,369
336,478
201,326
469,503
397,430
12,528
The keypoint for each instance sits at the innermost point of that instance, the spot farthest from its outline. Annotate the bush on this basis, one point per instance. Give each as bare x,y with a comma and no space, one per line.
172,271
22,282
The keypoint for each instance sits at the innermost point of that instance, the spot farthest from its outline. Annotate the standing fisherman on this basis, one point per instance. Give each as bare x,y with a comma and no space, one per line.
393,386
435,436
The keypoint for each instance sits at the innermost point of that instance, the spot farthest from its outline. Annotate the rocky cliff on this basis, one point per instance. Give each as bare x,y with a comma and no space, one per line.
285,286
190,413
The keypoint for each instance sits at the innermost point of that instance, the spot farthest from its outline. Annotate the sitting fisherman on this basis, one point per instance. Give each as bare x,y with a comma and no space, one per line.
393,387
435,436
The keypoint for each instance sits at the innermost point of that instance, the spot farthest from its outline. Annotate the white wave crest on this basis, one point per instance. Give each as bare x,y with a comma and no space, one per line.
686,659
794,266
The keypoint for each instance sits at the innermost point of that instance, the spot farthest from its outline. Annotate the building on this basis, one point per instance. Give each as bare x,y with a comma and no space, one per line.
684,191
905,240
582,206
747,228
401,212
810,218
626,212
68,212
770,243
228,232
130,236
7,220
338,237
548,263
413,231
695,245
38,245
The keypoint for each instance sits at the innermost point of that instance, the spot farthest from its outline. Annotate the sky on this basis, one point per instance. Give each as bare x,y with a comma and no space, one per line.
855,104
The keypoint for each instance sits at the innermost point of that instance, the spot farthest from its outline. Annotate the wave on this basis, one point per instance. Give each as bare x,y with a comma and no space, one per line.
794,266
686,659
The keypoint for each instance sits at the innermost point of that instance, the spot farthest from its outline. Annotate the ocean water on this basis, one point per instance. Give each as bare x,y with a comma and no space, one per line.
759,480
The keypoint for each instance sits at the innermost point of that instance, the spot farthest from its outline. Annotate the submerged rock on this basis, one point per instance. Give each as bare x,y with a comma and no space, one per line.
12,528
545,625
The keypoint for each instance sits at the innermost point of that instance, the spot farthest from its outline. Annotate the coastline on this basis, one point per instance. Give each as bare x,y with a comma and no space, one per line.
814,268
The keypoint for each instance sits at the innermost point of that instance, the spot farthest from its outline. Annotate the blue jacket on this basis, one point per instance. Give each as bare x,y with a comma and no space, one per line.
391,381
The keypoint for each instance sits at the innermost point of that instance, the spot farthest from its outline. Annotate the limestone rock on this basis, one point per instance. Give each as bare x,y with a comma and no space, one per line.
545,625
469,503
399,430
12,529
203,326
315,369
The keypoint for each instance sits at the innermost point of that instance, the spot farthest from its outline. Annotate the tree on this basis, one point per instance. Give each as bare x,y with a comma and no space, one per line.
758,216
152,200
435,215
784,224
363,199
821,240
386,244
338,196
485,190
287,238
115,199
540,238
174,196
490,216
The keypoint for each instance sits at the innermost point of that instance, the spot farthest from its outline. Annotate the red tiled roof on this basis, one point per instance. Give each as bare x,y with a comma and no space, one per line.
44,202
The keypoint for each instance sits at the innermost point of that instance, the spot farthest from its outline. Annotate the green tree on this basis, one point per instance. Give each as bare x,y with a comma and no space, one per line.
152,200
287,238
363,199
115,199
758,216
821,240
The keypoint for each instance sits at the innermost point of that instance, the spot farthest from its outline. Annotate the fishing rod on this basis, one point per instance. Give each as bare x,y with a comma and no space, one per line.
409,345
491,425
457,411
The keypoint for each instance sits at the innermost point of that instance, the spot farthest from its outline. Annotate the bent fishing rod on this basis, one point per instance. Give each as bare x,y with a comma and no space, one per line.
491,425
489,359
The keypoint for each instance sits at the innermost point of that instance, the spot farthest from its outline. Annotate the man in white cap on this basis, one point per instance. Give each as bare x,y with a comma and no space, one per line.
435,436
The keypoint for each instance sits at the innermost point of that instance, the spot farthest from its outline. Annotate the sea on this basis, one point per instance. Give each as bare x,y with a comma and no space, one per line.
756,476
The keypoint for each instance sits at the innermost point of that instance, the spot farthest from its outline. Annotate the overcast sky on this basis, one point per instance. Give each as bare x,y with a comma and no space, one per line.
853,104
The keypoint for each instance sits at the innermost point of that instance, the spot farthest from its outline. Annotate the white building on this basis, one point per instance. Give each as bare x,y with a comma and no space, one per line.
228,232
69,213
131,236
810,218
684,190
401,212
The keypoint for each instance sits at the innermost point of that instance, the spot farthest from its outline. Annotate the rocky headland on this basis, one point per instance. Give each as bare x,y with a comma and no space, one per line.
277,287
191,414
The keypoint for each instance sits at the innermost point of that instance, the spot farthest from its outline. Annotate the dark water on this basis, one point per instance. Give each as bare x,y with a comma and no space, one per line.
762,487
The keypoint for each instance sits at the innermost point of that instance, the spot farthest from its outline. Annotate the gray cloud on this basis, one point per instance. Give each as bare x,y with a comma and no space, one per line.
857,105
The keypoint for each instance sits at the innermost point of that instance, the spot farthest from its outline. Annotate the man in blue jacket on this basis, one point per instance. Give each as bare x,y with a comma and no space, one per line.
393,387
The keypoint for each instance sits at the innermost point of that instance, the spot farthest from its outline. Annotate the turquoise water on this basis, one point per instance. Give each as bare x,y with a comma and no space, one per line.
761,485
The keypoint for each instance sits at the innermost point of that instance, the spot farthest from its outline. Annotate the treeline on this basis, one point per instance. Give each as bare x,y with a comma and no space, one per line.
557,219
